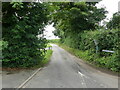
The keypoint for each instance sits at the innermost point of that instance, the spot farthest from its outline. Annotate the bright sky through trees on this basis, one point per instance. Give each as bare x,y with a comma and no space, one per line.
48,32
111,7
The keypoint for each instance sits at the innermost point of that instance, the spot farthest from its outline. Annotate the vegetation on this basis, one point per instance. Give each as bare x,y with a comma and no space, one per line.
71,18
22,23
88,50
114,22
54,41
47,57
99,40
3,44
48,45
77,24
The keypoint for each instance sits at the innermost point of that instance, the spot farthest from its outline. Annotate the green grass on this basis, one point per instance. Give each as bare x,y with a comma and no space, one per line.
47,57
54,41
45,61
48,45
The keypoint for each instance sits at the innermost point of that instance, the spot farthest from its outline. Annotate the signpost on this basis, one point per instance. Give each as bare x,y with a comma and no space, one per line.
108,51
96,44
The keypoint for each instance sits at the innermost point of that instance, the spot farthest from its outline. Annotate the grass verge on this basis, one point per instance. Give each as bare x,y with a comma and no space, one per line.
47,57
103,63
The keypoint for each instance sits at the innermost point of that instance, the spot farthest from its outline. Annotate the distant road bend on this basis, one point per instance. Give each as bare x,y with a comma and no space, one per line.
67,71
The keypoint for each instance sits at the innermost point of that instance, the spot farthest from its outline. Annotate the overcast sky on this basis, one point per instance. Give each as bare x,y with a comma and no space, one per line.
111,7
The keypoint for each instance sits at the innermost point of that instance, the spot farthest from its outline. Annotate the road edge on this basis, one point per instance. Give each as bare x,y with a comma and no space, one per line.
28,79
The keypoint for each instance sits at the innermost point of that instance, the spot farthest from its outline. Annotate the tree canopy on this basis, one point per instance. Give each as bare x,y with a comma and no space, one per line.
72,18
115,21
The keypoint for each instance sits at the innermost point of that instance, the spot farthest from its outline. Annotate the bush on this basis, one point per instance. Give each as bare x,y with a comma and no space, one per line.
111,62
3,44
84,47
106,39
46,59
21,34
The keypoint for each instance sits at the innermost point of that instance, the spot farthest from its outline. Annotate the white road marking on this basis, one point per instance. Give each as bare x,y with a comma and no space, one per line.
22,85
83,81
81,73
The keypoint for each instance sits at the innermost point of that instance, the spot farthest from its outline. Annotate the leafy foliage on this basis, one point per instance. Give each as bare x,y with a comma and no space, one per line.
54,41
106,39
22,23
77,24
111,62
114,22
72,18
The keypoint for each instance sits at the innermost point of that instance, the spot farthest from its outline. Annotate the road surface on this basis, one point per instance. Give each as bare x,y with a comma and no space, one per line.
66,71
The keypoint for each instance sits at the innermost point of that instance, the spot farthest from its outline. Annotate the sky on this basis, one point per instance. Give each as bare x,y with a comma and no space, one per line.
48,32
110,5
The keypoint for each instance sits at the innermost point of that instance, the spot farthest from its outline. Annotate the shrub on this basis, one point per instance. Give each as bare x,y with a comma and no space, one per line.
106,39
21,33
86,48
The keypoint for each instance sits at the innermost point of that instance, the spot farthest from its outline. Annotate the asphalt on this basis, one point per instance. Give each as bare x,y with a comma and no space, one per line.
66,71
13,79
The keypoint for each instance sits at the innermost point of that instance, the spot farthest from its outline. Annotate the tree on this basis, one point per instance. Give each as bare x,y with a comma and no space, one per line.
72,18
22,22
114,22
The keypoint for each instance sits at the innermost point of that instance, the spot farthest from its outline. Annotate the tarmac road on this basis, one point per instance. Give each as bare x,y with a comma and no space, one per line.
66,71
